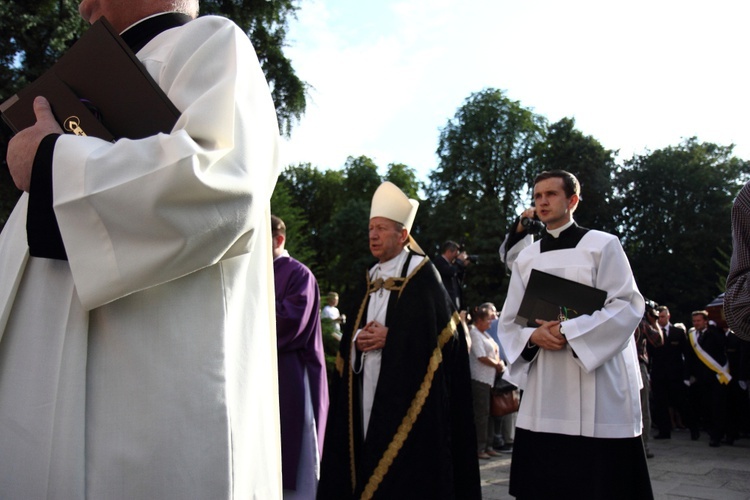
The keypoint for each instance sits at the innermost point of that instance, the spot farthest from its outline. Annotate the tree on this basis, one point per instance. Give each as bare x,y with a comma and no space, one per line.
405,178
316,195
361,177
266,23
569,149
35,35
346,231
675,206
332,209
485,154
297,243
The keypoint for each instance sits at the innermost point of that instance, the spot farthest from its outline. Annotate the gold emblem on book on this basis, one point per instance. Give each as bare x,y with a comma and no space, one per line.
73,124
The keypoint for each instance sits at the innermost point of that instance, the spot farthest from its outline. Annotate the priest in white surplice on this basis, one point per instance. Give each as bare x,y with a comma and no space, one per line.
578,427
138,356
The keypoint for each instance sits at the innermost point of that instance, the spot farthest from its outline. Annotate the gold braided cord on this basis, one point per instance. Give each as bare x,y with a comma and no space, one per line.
412,413
406,281
350,375
339,364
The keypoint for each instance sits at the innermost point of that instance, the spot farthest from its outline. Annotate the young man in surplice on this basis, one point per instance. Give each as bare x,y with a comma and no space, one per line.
579,424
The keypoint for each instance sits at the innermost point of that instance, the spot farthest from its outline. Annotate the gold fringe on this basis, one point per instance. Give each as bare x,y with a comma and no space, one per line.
416,269
350,374
339,364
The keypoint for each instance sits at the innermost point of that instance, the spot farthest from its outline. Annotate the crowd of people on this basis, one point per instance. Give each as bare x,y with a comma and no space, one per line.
698,378
142,356
674,378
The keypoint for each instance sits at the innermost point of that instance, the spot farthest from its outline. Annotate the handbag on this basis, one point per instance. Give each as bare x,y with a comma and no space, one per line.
504,402
502,385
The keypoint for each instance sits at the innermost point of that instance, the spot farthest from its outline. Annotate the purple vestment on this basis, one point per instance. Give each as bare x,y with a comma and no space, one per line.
300,348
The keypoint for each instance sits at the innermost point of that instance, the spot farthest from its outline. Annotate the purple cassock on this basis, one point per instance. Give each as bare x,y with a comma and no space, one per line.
300,349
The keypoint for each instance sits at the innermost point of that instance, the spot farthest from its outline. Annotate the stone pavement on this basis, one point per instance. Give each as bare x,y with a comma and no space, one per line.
681,469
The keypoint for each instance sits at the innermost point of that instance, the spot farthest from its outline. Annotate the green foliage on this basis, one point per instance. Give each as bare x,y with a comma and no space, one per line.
334,207
330,344
35,34
361,177
405,178
722,269
297,242
266,23
486,152
569,149
675,206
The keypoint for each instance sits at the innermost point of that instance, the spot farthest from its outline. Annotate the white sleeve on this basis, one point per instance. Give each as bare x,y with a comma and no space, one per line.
599,337
138,213
509,255
512,336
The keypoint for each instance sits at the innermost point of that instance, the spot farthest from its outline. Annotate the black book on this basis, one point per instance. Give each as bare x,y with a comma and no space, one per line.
97,88
549,297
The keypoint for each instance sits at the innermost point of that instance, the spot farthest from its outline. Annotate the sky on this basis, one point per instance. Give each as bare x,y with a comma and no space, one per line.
386,76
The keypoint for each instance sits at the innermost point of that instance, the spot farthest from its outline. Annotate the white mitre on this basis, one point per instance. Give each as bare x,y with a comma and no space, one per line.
390,202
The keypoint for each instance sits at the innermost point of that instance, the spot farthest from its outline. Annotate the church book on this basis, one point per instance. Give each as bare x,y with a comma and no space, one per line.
549,297
97,88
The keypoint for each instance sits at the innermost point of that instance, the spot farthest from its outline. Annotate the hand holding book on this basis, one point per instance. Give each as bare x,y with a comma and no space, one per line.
547,336
24,144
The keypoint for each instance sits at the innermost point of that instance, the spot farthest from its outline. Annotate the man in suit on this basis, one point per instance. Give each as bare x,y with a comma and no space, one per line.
668,375
709,376
451,265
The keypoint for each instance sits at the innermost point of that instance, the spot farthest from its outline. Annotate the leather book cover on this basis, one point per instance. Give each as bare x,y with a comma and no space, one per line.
98,88
548,297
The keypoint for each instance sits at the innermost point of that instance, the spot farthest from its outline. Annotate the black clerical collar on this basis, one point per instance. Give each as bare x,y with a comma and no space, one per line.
567,239
138,35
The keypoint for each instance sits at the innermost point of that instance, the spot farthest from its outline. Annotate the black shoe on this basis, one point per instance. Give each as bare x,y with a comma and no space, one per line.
663,435
649,454
694,435
714,443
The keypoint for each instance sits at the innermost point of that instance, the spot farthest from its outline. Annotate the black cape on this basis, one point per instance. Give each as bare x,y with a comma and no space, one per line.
421,441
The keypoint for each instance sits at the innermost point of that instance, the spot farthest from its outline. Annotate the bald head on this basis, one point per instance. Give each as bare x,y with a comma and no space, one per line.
123,13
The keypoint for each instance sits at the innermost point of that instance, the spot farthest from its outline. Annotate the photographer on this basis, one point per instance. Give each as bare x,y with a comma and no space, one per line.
648,332
451,265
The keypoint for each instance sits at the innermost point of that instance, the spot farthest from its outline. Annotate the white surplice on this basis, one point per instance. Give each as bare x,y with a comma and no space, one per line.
145,367
595,394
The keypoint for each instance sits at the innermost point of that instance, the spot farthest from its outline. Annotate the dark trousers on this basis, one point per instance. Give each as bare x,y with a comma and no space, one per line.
708,402
668,393
738,411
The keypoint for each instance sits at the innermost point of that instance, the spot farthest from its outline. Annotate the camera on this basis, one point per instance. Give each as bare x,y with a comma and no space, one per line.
474,258
533,226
